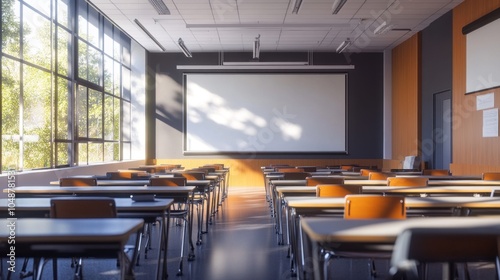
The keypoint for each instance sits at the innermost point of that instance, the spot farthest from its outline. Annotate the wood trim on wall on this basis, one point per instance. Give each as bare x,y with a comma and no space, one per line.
472,154
247,172
406,98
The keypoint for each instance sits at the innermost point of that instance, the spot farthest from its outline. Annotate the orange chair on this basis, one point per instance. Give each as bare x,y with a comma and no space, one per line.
491,176
374,207
376,175
359,206
337,190
289,169
366,172
295,175
436,172
313,181
407,181
77,182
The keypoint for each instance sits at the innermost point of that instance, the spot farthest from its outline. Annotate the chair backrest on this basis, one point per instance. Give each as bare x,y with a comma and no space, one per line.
77,182
79,207
126,175
314,181
307,168
491,176
295,175
425,245
337,190
347,167
289,169
359,206
365,172
168,182
436,172
407,181
377,175
193,175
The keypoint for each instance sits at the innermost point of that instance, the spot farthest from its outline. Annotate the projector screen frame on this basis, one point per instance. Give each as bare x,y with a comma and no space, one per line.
187,152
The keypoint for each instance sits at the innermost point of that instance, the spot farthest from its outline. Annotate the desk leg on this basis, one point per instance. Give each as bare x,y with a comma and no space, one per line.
191,254
163,245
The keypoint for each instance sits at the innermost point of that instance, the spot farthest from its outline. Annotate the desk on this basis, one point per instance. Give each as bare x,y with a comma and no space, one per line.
179,194
313,206
126,208
53,238
475,190
380,234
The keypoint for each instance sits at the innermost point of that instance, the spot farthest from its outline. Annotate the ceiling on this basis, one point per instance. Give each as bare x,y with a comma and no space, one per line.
233,25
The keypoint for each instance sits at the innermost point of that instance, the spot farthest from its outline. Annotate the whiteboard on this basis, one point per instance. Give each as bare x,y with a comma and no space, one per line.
483,58
265,113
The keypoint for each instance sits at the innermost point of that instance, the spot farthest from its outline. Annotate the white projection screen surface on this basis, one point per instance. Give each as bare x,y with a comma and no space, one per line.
265,113
483,58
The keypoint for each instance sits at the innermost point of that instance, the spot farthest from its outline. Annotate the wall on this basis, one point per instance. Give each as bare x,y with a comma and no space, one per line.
365,111
45,176
436,76
472,154
405,100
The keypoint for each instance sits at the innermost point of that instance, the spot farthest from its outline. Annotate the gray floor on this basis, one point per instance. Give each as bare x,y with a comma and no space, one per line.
240,244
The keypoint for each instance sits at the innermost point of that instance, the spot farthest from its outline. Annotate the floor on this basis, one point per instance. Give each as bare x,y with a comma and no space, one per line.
240,244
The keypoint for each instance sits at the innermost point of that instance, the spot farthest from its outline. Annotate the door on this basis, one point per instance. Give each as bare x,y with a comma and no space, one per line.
442,132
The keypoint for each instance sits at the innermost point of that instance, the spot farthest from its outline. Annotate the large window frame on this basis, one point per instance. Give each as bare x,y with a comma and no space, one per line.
77,37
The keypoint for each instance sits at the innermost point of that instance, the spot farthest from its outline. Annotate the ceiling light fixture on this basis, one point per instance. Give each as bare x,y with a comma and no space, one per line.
382,28
256,48
337,5
149,34
344,45
160,7
184,49
296,7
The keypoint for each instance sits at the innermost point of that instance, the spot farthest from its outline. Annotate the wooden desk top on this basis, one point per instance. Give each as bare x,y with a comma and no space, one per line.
122,204
410,202
46,230
330,230
46,190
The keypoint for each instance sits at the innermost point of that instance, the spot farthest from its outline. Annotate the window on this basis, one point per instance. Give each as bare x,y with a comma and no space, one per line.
64,91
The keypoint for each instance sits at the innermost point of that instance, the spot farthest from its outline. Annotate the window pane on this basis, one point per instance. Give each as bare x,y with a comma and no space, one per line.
117,49
125,50
37,118
116,119
63,151
93,28
108,117
108,74
63,52
94,65
126,121
95,114
96,152
11,28
111,151
81,111
82,154
11,82
82,19
41,5
36,39
63,15
117,79
126,151
82,60
126,83
63,117
108,38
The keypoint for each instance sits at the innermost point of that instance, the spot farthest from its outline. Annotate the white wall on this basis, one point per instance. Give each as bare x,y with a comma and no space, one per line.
138,99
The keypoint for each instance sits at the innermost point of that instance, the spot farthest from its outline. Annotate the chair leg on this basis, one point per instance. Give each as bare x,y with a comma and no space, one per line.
179,272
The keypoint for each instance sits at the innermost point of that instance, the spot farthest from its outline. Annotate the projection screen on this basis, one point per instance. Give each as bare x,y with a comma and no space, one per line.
483,58
265,113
